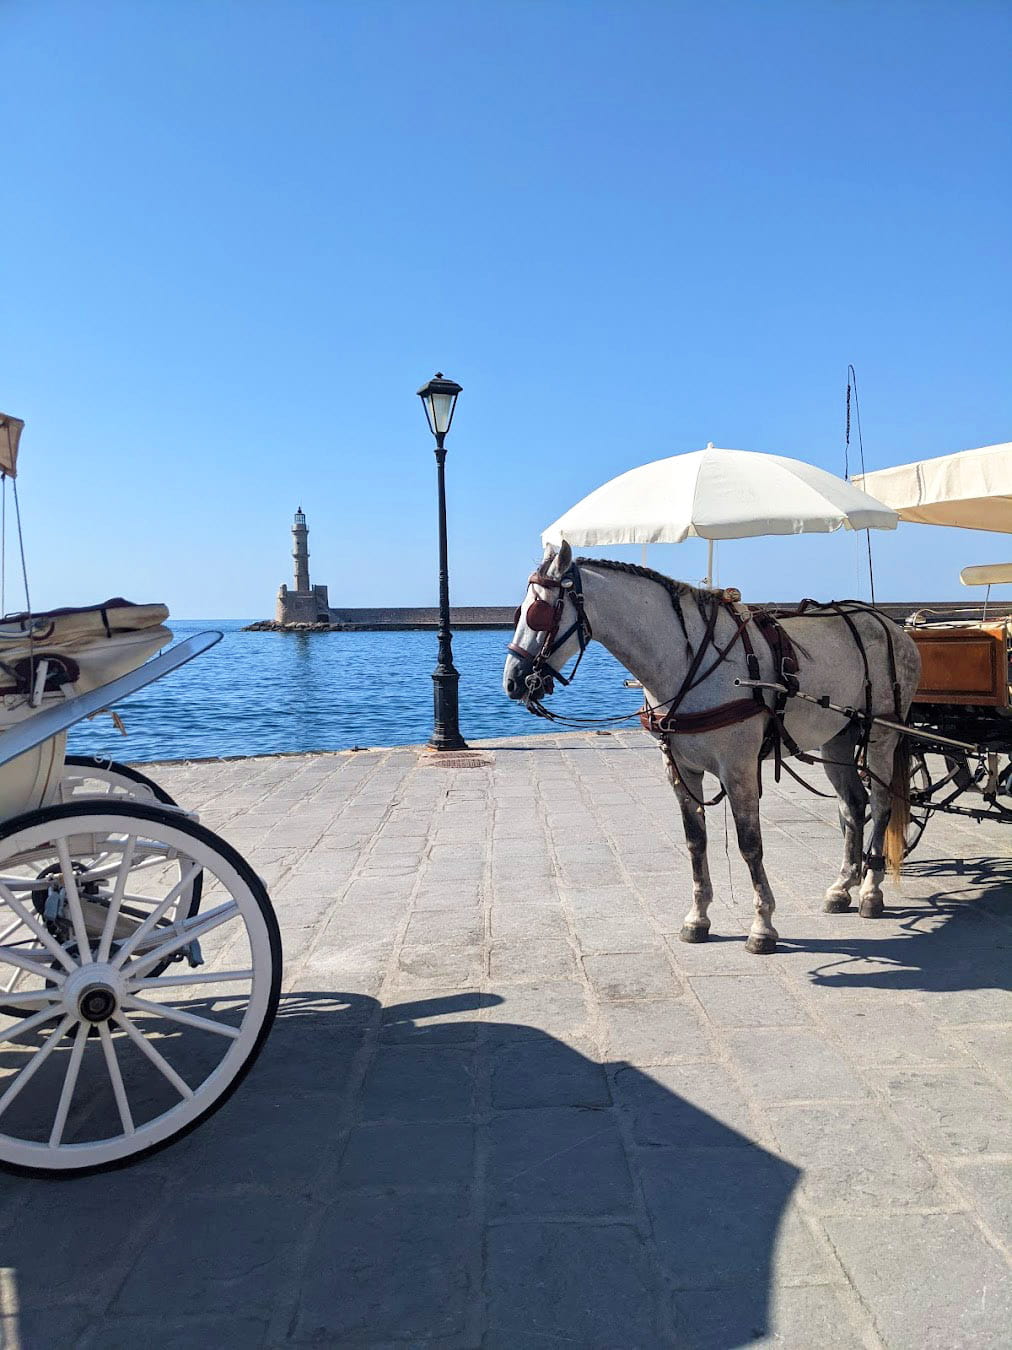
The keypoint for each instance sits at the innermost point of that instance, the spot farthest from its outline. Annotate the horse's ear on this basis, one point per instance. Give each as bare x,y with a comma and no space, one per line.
564,558
547,556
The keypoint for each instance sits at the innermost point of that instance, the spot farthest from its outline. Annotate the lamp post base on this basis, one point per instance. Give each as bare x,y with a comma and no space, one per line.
446,731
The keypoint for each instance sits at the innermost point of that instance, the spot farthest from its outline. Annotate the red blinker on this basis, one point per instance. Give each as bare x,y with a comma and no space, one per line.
540,616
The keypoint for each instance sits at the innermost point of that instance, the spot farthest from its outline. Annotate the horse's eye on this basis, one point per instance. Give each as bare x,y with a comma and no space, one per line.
540,615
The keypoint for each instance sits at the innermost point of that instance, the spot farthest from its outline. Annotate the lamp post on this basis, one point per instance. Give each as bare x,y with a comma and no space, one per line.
439,398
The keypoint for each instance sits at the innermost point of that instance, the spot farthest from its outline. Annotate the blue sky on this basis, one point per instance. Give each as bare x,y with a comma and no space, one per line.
237,236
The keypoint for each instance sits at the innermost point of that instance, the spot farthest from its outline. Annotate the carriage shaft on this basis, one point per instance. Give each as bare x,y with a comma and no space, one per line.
855,715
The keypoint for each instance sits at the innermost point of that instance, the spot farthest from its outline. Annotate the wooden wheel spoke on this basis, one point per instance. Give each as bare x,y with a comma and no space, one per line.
35,1064
37,928
203,977
189,930
159,912
69,1084
116,900
28,999
30,1023
185,1019
73,901
11,956
116,1079
157,1059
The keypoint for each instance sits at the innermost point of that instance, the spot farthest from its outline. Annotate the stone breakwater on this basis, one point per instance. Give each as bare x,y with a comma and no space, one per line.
501,616
394,620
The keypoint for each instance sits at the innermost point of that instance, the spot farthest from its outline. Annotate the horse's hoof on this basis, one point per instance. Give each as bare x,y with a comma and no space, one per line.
871,909
760,946
836,904
694,932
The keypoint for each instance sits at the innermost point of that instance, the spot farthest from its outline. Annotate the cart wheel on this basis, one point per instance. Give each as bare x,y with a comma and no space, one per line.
114,1062
89,776
919,793
92,776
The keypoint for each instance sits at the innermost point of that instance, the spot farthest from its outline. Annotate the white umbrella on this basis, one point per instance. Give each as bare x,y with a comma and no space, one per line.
718,494
10,434
971,489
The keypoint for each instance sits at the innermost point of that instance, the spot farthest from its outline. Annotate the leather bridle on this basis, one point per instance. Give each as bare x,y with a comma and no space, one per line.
545,617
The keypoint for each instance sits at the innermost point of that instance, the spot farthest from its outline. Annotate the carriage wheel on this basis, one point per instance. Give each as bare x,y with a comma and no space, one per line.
92,776
919,793
114,1062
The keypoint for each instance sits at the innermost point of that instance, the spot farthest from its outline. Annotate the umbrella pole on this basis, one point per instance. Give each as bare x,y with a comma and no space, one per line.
708,579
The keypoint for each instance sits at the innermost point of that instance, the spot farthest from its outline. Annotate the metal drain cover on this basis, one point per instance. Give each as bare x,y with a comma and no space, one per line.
442,759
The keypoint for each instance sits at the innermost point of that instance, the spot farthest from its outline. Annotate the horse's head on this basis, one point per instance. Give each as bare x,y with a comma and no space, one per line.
551,626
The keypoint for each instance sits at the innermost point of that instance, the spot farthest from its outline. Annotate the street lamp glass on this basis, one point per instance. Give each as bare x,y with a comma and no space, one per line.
439,398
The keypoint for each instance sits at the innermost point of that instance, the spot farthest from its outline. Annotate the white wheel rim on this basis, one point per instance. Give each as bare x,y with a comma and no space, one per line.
91,781
46,978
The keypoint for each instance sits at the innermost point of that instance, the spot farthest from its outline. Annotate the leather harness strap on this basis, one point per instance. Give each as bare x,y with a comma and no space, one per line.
777,738
712,719
785,663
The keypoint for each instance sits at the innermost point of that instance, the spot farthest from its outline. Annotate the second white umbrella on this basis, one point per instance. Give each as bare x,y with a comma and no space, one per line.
718,494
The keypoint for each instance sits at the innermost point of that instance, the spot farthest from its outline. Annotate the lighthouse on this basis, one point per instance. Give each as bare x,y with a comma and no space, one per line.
300,552
306,604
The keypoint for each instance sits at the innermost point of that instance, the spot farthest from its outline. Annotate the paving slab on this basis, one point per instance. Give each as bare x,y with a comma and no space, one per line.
558,1161
814,1317
852,1157
504,1106
577,1284
968,1303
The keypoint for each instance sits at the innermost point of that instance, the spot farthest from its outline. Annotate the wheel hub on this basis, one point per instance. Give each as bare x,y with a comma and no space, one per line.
96,1003
93,992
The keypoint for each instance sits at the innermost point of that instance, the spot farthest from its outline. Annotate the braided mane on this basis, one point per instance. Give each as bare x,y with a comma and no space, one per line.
676,589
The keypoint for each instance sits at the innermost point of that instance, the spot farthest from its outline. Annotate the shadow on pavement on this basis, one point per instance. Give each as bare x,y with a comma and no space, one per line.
947,944
416,1174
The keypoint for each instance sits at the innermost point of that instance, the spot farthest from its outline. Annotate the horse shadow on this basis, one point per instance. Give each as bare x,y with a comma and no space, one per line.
949,940
415,1174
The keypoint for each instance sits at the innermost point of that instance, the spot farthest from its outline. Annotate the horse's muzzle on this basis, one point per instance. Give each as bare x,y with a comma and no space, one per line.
525,683
535,686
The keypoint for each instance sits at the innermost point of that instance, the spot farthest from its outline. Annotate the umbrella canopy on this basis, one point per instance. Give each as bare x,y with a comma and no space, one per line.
10,434
971,489
987,574
718,494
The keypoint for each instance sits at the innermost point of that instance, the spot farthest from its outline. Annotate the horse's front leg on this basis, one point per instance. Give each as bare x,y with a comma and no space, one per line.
688,786
743,794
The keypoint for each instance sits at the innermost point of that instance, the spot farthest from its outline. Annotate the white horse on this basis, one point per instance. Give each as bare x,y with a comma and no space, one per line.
686,647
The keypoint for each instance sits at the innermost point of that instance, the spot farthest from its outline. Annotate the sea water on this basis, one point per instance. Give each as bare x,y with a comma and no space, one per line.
261,693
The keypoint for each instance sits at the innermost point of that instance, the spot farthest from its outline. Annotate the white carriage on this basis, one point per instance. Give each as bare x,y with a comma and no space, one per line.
140,959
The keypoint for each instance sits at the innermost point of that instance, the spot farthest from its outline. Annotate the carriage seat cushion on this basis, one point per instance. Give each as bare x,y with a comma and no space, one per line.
82,622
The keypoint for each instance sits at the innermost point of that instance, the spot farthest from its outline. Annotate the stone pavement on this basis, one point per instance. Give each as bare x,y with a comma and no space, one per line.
503,1106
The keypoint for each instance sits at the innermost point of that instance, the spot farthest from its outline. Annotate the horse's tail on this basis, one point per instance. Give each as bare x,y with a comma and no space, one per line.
899,818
